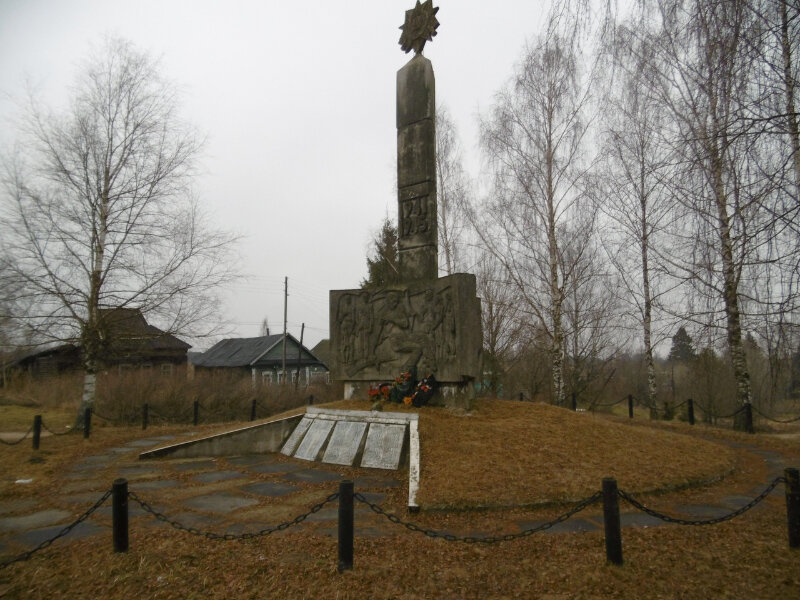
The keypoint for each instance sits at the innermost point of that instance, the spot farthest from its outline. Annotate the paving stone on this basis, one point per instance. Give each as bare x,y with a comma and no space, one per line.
219,503
161,484
137,471
121,450
218,476
9,506
701,511
83,485
35,537
86,499
190,519
251,459
272,489
163,438
277,467
197,465
639,520
736,502
312,476
144,443
41,518
134,509
101,459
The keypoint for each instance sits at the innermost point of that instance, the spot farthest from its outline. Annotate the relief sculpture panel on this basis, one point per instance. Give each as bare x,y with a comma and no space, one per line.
375,334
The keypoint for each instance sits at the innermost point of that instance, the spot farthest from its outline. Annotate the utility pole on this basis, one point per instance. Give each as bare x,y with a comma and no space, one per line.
299,358
285,302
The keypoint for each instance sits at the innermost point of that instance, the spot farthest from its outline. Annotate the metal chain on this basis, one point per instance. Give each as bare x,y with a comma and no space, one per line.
19,441
775,420
653,513
432,533
702,408
62,533
44,425
231,536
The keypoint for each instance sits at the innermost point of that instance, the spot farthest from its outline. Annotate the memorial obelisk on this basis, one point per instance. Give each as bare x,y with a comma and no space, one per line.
425,321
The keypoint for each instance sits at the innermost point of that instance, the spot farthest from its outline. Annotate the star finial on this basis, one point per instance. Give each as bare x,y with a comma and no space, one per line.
420,26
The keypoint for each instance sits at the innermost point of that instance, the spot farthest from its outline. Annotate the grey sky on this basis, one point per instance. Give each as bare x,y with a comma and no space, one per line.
297,102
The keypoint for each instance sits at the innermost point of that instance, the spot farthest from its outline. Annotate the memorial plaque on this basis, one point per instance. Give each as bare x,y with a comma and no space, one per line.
384,446
315,438
345,442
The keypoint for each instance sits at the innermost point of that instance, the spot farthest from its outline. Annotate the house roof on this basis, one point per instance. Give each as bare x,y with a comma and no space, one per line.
129,327
244,352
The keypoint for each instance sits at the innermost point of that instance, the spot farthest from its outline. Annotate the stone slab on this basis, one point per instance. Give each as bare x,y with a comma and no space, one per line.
271,489
41,518
161,484
213,476
312,476
250,459
197,465
296,436
21,504
384,446
219,503
144,443
314,440
370,416
277,467
345,442
37,536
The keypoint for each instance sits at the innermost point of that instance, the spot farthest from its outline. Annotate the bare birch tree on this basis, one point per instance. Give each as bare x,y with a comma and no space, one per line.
452,191
533,139
635,199
704,81
99,214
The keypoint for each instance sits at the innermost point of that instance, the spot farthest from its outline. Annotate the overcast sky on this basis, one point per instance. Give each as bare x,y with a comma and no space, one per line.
297,100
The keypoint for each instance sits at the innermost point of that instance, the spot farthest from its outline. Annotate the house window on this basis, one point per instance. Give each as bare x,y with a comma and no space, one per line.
166,369
266,377
294,376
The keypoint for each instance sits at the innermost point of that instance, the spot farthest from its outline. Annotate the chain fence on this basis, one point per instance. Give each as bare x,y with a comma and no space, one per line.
231,536
60,534
713,521
46,428
19,441
432,533
768,418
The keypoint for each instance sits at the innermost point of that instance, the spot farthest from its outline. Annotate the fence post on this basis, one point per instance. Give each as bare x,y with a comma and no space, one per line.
87,423
574,402
119,514
793,505
345,525
611,521
145,411
748,418
630,406
253,410
690,410
196,408
37,430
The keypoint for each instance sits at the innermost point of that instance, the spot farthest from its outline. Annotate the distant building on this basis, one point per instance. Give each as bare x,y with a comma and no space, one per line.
130,344
262,358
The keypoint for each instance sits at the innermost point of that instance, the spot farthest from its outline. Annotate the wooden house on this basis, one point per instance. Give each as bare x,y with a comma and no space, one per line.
263,359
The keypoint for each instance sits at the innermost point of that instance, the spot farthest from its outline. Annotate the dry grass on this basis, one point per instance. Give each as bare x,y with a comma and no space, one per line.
553,453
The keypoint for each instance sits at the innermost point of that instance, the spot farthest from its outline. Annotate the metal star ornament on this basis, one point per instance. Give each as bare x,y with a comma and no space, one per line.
420,26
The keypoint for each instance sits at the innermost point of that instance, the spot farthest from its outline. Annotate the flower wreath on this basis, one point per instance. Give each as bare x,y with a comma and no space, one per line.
406,389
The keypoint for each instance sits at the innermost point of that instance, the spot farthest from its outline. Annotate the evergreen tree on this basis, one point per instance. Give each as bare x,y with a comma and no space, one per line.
682,349
383,261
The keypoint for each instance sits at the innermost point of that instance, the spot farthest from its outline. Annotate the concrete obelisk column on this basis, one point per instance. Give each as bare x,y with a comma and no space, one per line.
416,170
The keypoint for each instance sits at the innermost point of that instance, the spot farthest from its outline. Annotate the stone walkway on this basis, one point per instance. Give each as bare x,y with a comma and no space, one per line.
248,493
